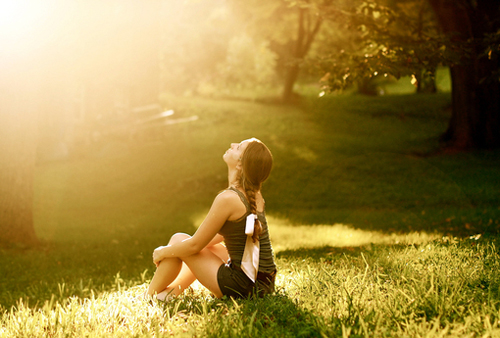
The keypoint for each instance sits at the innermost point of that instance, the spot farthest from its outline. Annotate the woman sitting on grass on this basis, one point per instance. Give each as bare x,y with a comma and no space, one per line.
246,263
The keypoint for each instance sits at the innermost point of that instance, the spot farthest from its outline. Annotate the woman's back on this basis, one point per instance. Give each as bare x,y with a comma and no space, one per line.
235,238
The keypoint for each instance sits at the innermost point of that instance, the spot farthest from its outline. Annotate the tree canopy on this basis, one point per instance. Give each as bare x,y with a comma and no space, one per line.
463,36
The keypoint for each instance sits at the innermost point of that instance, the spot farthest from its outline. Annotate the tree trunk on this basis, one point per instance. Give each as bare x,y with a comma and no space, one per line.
475,120
17,162
291,75
366,86
21,86
308,27
475,110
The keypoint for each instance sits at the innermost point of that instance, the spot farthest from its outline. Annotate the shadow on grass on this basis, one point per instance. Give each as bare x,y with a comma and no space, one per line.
276,315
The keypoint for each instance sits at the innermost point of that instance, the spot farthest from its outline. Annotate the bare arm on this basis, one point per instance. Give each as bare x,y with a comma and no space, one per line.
222,208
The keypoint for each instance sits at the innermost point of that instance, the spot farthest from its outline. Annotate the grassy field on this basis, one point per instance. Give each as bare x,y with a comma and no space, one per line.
375,233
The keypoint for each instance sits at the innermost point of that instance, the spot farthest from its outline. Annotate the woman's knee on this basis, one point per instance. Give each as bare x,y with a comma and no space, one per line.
178,237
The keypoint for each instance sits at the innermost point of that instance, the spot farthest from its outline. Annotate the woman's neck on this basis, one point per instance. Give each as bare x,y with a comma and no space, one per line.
233,180
232,177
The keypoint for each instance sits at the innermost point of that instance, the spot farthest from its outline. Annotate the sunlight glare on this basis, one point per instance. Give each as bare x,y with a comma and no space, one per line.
413,80
22,26
19,16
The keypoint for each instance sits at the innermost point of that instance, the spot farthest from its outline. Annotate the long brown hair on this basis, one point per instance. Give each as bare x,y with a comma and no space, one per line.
256,164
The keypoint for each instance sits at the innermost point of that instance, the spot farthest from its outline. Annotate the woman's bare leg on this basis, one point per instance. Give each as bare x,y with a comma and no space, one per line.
166,272
220,250
172,276
205,265
183,280
186,277
168,269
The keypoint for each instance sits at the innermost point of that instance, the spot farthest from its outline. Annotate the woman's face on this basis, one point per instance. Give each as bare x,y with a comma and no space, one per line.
233,155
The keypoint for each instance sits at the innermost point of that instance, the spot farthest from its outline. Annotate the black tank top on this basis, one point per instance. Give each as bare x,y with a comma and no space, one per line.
235,238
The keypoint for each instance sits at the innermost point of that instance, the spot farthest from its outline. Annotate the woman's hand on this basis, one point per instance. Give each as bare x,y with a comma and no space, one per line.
158,255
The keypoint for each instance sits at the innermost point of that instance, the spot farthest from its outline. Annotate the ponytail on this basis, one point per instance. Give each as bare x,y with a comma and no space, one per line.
250,193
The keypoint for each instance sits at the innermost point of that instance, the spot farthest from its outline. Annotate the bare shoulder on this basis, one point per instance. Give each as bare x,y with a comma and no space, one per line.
227,197
231,201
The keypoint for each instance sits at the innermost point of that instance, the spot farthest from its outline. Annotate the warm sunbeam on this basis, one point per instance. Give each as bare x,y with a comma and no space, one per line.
290,237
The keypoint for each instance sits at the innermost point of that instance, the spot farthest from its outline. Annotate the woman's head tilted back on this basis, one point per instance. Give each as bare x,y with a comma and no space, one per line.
256,165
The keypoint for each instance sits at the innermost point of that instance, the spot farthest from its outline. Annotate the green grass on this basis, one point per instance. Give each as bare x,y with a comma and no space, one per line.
443,288
371,229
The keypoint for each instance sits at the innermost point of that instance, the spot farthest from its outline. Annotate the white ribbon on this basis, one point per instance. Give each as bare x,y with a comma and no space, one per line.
250,260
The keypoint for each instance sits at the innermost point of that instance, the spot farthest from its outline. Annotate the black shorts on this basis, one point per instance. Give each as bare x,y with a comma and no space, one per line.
235,283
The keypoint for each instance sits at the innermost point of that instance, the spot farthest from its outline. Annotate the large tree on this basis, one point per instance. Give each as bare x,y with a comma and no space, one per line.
309,21
291,27
475,25
468,43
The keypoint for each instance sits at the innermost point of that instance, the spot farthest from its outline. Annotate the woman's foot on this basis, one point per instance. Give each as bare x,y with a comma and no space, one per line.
165,295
